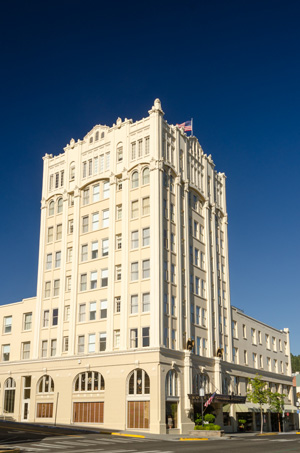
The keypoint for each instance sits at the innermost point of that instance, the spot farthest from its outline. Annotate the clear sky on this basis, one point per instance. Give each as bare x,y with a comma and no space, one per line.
231,65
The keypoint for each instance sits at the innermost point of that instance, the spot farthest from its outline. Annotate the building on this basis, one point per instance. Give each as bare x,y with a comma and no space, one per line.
133,268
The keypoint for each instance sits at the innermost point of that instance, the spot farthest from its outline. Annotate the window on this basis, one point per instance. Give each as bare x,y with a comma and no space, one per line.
47,289
134,239
80,344
119,212
44,350
56,286
140,147
90,167
234,329
57,259
27,324
104,247
58,232
274,344
145,337
92,311
54,316
146,268
119,272
95,221
197,286
72,171
51,208
105,189
53,348
172,212
134,271
94,250
56,180
67,313
147,146
104,277
5,352
71,226
146,176
261,362
71,199
105,218
103,309
83,282
133,151
172,242
102,341
119,241
120,154
196,257
235,355
244,331
26,350
86,197
134,306
92,343
173,305
118,304
49,261
202,260
203,317
203,288
7,324
267,337
116,339
81,314
245,357
119,184
96,193
146,302
165,270
165,208
146,236
134,209
173,339
9,395
89,381
146,206
134,180
94,276
133,338
65,346
96,160
50,234
69,254
85,224
254,359
84,169
173,273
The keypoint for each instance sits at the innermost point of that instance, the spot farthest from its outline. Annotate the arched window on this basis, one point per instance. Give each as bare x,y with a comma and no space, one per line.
146,176
102,134
90,381
91,139
172,383
226,385
134,180
139,383
9,395
72,171
51,208
59,205
46,384
97,136
200,381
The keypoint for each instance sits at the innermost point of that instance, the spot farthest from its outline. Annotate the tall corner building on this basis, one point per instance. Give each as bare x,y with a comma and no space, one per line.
132,314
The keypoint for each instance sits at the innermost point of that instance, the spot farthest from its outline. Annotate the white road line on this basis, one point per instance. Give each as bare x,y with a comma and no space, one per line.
42,444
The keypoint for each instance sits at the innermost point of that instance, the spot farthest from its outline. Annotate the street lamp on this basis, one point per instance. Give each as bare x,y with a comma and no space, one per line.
201,393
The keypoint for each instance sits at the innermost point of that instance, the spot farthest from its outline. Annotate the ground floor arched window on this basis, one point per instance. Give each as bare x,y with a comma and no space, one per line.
138,400
88,410
9,395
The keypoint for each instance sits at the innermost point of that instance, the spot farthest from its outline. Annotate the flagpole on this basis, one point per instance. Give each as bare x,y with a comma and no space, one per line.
192,127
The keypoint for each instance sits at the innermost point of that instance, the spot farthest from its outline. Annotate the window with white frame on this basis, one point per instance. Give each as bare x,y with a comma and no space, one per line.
146,206
92,311
85,224
134,239
146,269
145,337
120,154
134,209
134,305
105,247
51,208
65,345
105,190
119,241
95,221
86,196
71,226
116,339
25,350
44,349
83,282
89,381
91,342
118,304
46,318
49,261
94,250
81,313
134,271
58,259
5,352
102,341
50,234
80,345
59,205
103,309
133,151
105,218
96,193
104,277
146,176
67,313
58,232
47,289
146,236
133,338
140,148
56,286
134,180
119,272
68,282
119,212
93,281
146,302
54,316
147,146
53,347
173,273
45,384
69,254
7,324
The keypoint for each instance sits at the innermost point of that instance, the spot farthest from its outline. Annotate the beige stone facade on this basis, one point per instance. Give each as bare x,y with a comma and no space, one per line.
133,263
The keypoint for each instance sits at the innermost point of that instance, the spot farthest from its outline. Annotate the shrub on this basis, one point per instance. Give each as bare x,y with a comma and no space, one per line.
209,418
208,427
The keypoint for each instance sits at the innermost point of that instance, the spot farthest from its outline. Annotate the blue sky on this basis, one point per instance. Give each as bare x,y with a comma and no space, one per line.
232,66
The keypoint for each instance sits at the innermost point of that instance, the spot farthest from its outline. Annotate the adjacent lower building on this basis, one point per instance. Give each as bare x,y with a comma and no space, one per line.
132,314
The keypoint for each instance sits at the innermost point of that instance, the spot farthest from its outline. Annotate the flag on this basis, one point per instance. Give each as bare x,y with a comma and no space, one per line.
187,125
209,401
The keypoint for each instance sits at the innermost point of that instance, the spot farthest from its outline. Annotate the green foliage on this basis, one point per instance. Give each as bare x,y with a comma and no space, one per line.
258,392
276,401
210,418
208,427
295,359
242,421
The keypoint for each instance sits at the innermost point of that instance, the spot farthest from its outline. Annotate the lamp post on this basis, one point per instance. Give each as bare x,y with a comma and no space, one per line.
201,393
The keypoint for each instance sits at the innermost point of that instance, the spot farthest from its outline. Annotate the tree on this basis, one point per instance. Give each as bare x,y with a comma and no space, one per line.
258,394
276,402
295,359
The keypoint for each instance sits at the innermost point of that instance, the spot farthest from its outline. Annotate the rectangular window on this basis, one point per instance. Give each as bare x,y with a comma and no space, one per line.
67,313
165,270
84,169
86,197
5,352
120,154
7,324
133,151
134,239
101,163
173,305
119,272
107,161
140,148
203,288
173,339
116,339
147,146
104,247
119,212
94,250
103,309
83,282
44,350
92,343
245,357
90,167
57,259
26,350
96,193
118,304
105,189
119,241
203,317
146,236
92,313
27,321
46,318
198,312
172,242
134,271
102,341
71,200
53,348
146,302
133,338
244,331
202,260
49,261
196,257
134,209
80,344
50,234
146,268
58,232
71,226
197,286
56,286
134,306
85,224
105,218
55,317
104,277
65,346
81,314
172,212
173,273
146,206
253,336
93,281
165,208
69,254
145,337
95,221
